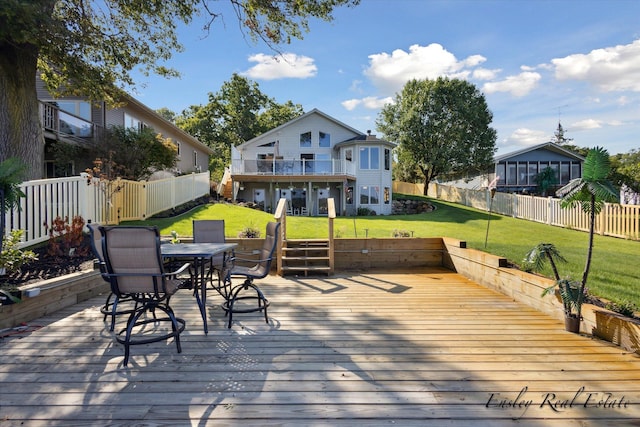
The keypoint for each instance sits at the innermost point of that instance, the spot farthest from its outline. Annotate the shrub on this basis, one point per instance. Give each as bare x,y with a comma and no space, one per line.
626,308
362,211
67,240
249,232
11,257
401,233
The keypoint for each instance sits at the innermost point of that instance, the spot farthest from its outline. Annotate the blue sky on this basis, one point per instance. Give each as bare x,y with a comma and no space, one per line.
536,62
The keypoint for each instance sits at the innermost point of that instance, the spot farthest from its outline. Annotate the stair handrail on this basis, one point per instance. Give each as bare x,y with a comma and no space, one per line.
331,214
280,216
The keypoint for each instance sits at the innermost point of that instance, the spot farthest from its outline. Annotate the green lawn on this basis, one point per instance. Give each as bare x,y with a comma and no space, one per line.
613,274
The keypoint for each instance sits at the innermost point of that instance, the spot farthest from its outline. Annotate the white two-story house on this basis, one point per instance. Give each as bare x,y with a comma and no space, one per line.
310,159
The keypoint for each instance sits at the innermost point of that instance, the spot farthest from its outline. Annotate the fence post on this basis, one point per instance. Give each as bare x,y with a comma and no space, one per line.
84,199
550,210
143,200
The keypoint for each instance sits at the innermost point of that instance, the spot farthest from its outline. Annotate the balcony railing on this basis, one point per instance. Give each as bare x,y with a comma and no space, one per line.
65,125
282,166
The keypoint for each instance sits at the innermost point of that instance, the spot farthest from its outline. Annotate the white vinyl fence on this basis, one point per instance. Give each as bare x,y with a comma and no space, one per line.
614,220
120,200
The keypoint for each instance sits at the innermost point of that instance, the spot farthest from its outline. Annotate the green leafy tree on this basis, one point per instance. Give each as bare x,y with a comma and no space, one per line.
167,114
443,125
137,154
92,48
625,170
590,192
546,180
238,112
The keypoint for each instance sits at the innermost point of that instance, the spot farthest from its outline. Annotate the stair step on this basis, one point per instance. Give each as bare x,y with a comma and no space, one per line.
304,249
306,268
305,258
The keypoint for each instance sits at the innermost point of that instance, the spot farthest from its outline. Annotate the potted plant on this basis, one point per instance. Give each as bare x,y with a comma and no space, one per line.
569,291
590,192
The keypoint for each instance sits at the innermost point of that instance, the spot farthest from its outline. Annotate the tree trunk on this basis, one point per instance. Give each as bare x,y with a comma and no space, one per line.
20,129
587,266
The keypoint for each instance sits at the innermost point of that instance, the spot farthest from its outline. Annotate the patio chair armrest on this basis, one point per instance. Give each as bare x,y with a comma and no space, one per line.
184,266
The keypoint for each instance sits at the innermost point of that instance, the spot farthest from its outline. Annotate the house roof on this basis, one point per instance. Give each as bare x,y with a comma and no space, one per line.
364,138
550,146
184,134
302,117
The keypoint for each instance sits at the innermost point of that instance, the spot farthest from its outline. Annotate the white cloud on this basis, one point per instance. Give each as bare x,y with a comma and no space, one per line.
527,137
485,74
370,102
519,85
389,72
610,69
288,65
623,100
586,124
351,104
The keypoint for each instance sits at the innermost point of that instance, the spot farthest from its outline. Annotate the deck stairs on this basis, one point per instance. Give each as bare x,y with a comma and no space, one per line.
304,256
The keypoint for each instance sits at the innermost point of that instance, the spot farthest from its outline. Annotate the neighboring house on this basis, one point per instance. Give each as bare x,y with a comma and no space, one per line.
310,159
75,120
517,171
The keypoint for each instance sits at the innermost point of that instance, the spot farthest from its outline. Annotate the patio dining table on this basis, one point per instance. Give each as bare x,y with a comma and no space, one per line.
198,254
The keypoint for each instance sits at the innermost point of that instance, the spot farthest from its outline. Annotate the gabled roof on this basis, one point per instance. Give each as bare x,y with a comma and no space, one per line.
550,146
193,140
364,138
297,119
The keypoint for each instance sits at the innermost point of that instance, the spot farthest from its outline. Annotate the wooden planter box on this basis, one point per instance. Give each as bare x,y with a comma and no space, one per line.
54,295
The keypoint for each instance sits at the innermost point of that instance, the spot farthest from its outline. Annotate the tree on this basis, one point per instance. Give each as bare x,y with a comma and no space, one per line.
625,170
91,48
136,154
545,180
238,112
167,114
590,192
443,125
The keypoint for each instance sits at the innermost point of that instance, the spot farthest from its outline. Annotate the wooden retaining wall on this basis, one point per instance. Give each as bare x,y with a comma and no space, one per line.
364,254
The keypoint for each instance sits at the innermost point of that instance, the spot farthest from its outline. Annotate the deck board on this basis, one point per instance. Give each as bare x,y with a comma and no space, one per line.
362,348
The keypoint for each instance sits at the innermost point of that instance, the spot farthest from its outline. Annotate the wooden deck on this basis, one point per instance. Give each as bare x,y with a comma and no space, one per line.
368,348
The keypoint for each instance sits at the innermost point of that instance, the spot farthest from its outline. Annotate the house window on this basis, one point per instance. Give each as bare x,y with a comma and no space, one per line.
348,155
81,109
500,172
305,139
369,195
195,158
177,148
387,159
522,173
325,140
131,122
564,173
575,170
532,172
512,174
387,192
369,158
307,163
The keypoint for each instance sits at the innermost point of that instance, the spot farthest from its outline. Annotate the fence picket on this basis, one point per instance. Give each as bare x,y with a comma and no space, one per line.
46,199
614,220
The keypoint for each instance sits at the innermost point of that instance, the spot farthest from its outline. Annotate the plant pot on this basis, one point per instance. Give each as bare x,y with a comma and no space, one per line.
572,324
